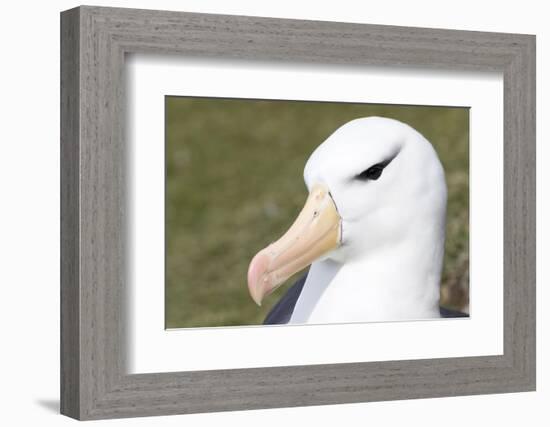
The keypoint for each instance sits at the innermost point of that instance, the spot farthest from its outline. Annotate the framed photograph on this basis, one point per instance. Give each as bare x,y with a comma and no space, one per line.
261,213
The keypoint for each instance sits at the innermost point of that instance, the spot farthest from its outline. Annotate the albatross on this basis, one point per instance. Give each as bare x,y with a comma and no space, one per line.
372,231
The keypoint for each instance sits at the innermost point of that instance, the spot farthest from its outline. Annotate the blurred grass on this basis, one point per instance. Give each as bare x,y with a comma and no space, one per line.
234,183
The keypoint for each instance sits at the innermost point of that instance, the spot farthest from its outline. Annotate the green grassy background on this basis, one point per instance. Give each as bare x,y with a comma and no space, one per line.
234,183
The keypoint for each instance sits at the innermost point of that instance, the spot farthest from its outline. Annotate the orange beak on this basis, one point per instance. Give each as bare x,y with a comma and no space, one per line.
315,232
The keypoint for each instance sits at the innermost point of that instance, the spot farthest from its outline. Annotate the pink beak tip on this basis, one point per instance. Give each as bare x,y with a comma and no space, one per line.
256,270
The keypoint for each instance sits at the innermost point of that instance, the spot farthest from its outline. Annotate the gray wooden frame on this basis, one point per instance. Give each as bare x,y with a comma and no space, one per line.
94,382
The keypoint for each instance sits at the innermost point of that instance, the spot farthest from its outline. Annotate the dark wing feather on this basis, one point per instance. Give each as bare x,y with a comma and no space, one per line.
282,311
448,313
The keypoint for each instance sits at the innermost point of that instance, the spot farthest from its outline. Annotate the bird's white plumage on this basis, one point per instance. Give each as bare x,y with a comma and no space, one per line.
393,228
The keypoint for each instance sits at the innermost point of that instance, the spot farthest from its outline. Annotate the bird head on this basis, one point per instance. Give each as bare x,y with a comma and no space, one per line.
370,183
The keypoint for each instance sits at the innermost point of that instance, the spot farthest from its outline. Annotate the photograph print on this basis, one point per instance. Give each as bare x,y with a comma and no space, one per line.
299,212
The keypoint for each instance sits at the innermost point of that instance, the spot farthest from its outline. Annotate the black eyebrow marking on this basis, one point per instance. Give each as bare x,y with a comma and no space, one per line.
374,172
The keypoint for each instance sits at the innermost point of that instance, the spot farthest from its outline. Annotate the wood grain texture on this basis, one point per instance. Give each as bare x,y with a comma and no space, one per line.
94,382
70,221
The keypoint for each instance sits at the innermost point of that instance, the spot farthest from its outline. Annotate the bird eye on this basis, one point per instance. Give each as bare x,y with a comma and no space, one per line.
372,173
